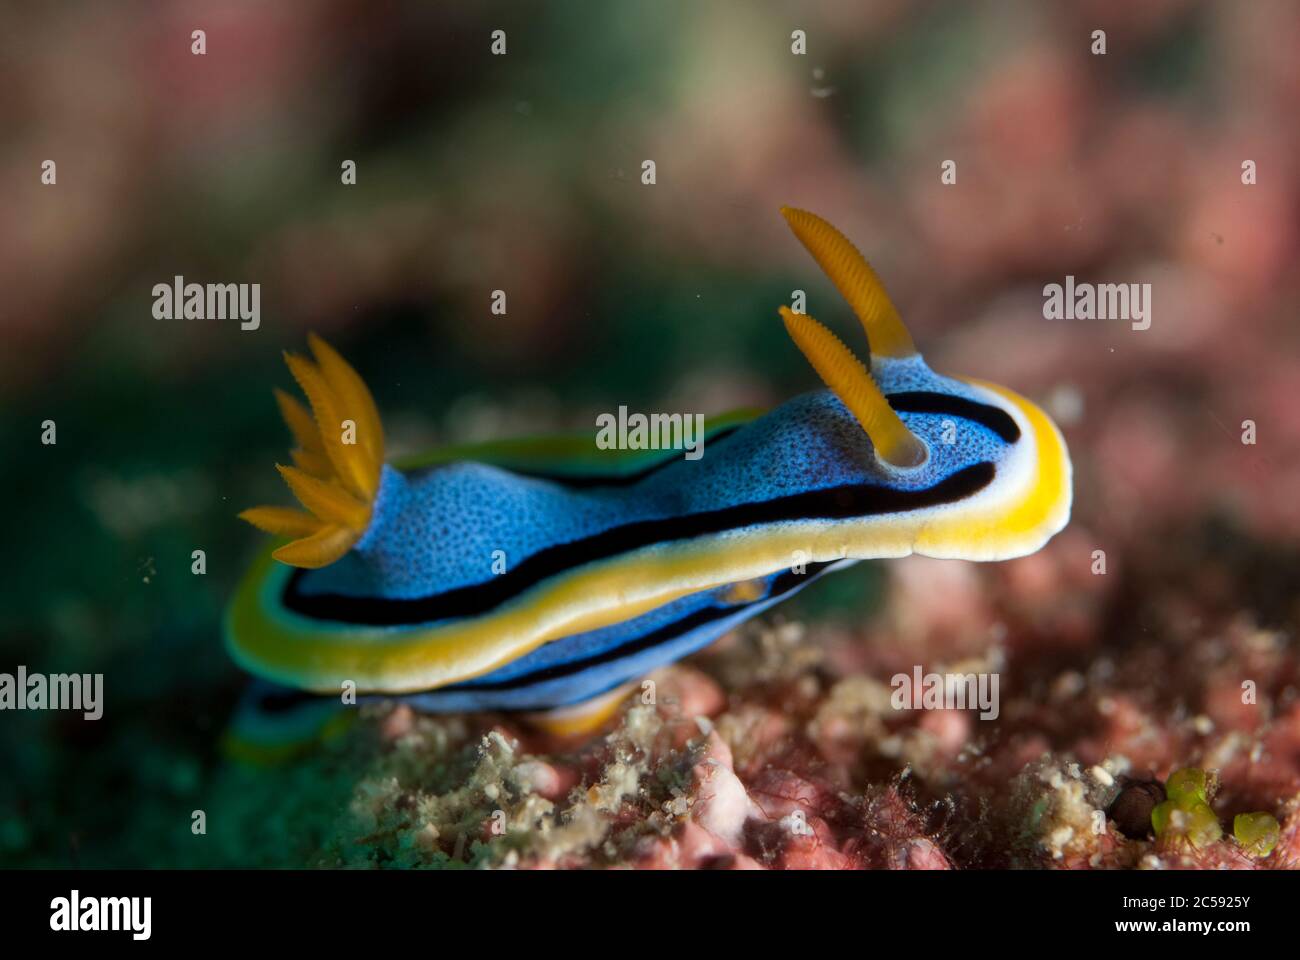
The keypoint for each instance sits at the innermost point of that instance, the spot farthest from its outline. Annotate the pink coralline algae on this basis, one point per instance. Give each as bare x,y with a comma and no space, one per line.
783,747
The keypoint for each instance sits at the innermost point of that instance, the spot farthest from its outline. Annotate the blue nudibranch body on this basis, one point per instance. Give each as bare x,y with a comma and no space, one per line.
543,574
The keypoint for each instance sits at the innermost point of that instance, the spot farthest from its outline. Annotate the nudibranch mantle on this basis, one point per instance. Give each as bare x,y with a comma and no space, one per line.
504,577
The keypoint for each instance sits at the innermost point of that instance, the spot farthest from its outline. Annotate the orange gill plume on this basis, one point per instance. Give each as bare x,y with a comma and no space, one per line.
337,461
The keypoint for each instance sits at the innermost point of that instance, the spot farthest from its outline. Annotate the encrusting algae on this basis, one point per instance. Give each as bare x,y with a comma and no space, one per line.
792,770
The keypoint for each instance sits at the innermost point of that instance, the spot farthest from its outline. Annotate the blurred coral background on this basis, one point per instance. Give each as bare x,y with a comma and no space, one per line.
523,173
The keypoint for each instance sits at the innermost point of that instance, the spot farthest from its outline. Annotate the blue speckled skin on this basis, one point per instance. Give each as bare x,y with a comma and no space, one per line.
438,529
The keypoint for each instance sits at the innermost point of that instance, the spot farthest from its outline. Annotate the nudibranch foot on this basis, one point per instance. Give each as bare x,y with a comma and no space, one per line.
581,719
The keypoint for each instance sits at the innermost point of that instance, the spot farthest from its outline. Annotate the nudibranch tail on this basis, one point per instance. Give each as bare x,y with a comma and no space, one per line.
856,281
848,378
338,461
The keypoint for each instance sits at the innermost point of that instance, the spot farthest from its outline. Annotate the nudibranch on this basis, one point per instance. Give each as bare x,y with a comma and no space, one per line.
545,574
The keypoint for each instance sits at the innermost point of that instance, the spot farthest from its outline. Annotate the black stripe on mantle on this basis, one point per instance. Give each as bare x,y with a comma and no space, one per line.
849,501
924,401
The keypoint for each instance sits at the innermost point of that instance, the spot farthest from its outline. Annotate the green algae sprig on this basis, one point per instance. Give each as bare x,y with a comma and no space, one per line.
1257,833
1187,812
1195,821
1189,785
